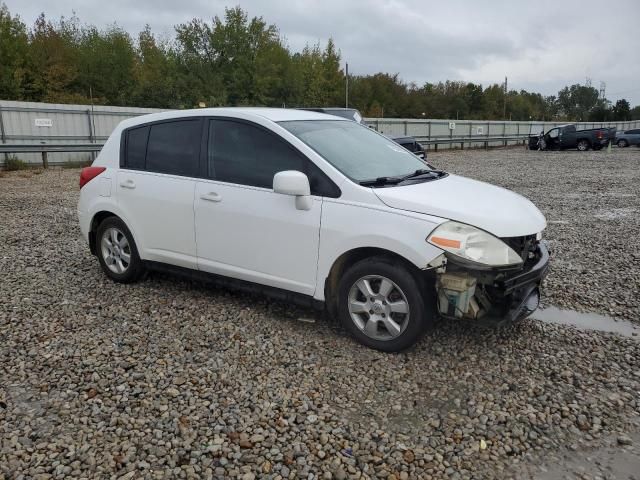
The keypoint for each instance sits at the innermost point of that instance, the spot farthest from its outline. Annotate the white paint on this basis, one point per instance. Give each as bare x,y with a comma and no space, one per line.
497,210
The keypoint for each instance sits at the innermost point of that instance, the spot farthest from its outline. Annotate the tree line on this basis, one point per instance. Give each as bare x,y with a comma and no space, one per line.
238,60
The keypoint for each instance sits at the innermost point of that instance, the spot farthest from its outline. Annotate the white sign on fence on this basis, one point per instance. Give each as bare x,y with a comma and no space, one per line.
479,131
452,125
43,122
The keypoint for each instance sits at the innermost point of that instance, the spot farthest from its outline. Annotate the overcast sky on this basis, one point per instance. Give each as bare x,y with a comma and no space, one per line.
540,45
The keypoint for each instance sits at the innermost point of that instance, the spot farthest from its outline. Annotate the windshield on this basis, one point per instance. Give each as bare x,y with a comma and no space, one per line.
357,151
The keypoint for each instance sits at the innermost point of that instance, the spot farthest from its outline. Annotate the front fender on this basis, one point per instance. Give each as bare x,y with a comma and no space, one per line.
346,227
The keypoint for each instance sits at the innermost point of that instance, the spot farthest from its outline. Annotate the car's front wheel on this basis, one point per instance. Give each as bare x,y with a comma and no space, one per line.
383,304
117,252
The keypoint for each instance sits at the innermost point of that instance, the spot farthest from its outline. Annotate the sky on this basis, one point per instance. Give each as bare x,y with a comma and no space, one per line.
539,45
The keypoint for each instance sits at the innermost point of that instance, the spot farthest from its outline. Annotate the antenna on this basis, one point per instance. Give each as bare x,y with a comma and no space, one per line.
603,87
587,82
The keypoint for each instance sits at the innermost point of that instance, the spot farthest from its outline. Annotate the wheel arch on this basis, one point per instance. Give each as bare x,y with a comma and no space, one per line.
350,257
96,220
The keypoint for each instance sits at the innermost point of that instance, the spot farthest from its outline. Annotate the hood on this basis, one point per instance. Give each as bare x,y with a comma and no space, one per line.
494,209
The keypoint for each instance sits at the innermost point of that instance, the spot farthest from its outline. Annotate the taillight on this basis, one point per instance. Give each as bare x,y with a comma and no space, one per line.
89,173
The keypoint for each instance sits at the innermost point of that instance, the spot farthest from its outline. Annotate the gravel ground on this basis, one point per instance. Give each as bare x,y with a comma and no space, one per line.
173,379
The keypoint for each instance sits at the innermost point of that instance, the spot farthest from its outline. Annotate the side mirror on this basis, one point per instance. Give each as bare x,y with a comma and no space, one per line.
292,182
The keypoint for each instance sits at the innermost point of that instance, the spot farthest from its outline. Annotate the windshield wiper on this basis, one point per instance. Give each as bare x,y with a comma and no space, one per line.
422,175
381,181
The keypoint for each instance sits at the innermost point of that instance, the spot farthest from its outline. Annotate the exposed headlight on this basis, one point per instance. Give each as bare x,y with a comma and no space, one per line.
471,243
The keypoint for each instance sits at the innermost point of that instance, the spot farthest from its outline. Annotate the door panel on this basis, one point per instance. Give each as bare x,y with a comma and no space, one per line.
257,235
159,208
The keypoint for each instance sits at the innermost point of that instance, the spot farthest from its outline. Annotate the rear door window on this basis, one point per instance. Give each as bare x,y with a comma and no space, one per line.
174,147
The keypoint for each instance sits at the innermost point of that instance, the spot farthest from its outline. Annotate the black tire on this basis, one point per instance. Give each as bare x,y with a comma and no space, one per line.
135,267
583,145
420,301
622,143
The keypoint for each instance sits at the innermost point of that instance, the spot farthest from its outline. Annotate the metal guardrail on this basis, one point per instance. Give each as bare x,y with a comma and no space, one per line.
96,147
50,147
485,141
45,148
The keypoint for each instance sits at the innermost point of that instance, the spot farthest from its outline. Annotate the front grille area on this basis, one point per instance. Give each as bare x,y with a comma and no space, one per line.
522,245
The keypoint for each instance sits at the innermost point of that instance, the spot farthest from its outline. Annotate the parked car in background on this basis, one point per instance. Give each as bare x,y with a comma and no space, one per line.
312,209
568,136
412,145
628,137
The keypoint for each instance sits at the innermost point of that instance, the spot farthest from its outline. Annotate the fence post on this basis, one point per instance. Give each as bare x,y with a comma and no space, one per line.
486,143
504,132
91,132
428,132
406,130
3,135
450,138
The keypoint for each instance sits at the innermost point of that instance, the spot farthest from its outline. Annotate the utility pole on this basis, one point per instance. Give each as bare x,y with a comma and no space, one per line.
504,105
346,86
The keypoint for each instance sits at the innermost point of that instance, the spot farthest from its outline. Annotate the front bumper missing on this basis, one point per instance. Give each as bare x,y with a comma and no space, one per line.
509,296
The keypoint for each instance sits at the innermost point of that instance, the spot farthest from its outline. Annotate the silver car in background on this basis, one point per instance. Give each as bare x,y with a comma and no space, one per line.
628,137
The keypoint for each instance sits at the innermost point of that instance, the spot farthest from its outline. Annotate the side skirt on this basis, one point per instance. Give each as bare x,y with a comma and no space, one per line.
238,285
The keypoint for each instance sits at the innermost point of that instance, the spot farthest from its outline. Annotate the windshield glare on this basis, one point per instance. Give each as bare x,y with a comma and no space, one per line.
357,151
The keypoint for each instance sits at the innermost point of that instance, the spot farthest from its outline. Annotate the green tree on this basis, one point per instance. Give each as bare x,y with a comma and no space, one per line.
622,110
14,45
577,101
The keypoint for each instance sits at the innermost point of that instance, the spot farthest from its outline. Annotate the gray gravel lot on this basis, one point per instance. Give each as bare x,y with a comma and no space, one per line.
173,379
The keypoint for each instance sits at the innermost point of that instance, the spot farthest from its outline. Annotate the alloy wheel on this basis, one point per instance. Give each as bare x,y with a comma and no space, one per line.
116,250
378,307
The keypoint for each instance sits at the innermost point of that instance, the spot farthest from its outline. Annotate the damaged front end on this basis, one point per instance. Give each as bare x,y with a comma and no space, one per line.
498,295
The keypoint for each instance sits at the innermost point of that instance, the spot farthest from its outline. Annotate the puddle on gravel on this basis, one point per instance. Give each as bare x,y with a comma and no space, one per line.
586,321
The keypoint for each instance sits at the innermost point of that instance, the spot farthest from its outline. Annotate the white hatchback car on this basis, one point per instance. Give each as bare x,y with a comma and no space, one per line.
315,209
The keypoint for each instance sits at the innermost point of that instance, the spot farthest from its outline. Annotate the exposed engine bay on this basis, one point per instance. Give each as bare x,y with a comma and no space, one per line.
465,292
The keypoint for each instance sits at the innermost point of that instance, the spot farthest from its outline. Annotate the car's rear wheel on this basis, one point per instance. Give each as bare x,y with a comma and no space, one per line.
383,304
583,145
117,252
622,143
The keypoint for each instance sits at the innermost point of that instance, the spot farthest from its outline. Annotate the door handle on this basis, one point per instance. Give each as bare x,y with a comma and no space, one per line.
128,184
211,197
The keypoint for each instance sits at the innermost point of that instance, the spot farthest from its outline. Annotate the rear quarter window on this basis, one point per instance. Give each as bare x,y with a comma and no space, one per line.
136,148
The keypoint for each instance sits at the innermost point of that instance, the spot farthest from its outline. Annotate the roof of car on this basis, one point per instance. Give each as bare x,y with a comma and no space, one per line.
273,114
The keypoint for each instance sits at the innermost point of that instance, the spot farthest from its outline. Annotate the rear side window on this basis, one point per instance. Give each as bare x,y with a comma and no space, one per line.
174,147
248,155
136,147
